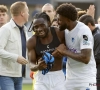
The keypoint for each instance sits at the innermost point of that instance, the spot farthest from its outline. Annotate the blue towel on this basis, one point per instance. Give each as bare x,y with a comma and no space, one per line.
49,60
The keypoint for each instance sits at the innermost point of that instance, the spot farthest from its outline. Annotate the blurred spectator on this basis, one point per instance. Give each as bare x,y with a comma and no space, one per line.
13,48
37,9
80,13
54,22
49,10
3,15
98,20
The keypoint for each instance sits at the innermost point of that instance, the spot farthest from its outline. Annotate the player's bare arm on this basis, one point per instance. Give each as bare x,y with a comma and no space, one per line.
35,63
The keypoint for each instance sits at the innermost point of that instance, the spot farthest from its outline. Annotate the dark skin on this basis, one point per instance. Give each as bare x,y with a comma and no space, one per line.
84,55
42,30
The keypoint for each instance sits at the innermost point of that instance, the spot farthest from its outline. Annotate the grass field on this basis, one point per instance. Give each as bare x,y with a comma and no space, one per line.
27,86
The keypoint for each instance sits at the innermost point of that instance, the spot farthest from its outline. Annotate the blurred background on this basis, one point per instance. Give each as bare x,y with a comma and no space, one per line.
36,5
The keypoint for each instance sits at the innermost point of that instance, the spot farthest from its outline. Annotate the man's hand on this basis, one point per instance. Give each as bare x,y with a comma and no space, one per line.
41,64
59,50
31,75
22,60
91,10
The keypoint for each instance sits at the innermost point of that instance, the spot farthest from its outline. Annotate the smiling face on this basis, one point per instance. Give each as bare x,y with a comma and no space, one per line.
62,22
40,27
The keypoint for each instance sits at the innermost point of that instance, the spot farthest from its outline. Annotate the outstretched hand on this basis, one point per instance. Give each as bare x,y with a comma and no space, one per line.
91,10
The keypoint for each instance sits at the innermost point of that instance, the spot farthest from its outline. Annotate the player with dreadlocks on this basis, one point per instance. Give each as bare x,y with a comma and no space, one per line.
40,47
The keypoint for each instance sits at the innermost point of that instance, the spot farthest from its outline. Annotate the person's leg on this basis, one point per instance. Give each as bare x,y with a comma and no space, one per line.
40,86
6,83
58,81
41,81
18,83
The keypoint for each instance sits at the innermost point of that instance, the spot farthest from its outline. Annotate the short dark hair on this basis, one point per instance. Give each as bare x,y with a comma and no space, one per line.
42,15
87,19
68,11
80,13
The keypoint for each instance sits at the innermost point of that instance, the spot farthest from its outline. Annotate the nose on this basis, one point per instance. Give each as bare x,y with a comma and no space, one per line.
38,29
1,16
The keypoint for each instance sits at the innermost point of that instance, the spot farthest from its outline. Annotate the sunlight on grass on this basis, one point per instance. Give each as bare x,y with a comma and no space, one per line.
27,86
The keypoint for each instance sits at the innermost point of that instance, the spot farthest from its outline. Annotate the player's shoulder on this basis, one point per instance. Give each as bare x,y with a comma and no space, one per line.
83,28
32,41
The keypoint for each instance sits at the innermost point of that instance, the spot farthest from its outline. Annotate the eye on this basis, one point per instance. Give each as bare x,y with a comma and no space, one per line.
35,27
3,14
49,11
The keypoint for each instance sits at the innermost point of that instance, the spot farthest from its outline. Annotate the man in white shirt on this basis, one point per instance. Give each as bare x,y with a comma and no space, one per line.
13,48
81,66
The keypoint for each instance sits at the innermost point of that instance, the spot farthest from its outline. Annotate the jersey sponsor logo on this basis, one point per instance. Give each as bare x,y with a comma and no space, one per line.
85,40
73,50
73,39
48,50
47,46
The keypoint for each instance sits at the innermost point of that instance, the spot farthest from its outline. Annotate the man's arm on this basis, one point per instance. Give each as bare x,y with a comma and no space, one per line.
7,47
34,63
4,38
83,56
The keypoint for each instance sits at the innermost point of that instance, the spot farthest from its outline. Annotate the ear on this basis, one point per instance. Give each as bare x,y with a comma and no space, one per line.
68,20
89,24
22,14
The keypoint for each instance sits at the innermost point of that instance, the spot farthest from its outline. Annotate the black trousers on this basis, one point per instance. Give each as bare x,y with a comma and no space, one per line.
98,84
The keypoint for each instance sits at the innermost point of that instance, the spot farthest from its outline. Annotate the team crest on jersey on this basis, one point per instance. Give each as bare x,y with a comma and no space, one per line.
85,40
47,46
73,39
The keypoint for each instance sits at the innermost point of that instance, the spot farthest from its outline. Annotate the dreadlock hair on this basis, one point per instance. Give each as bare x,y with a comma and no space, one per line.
87,19
68,11
42,15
